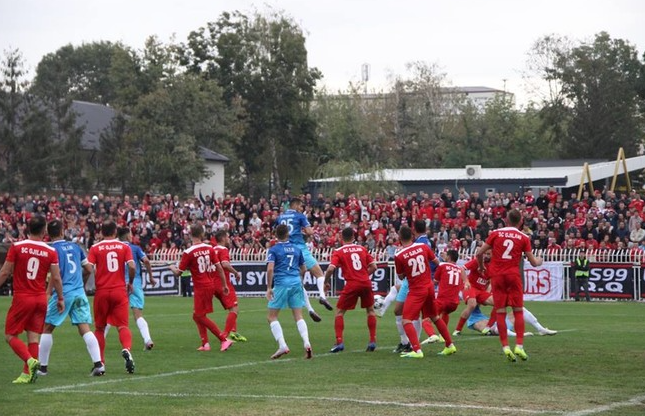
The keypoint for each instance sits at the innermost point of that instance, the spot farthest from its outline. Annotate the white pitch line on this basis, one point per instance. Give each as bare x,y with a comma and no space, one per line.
631,402
318,398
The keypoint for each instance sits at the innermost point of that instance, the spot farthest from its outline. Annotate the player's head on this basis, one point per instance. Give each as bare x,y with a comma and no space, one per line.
123,234
55,229
36,226
419,227
108,229
197,231
514,218
405,234
348,235
282,232
295,203
452,256
221,236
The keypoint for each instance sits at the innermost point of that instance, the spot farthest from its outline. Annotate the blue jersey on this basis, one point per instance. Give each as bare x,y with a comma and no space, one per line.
137,256
71,259
286,259
423,239
296,221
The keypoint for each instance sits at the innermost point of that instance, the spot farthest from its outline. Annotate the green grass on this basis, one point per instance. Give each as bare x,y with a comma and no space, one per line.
597,359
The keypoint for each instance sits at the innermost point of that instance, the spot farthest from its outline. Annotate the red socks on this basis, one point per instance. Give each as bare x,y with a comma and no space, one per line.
371,325
339,327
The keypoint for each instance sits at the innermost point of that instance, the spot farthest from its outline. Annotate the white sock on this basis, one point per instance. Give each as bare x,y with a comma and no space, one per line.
511,333
143,328
107,328
320,282
276,330
304,332
391,297
92,345
417,326
307,303
45,348
532,320
399,327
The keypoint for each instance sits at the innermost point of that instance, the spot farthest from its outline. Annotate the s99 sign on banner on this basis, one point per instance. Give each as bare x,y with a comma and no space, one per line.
611,281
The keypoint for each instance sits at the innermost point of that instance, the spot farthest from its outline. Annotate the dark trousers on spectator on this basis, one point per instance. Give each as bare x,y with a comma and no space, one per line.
581,283
186,287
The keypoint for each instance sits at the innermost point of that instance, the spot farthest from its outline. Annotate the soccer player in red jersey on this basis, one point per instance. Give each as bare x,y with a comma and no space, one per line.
203,263
507,245
229,302
475,293
412,262
357,265
450,277
29,261
110,258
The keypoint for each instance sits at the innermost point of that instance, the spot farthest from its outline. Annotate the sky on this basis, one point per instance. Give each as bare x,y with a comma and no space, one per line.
474,42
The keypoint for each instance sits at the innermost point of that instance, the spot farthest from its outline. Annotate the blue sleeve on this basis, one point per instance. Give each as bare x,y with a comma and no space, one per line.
301,258
271,256
140,255
81,254
304,221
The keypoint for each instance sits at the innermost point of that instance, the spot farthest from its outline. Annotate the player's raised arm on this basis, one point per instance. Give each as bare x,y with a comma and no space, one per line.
480,256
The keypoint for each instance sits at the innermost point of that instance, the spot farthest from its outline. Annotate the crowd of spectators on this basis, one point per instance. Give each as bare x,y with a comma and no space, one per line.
599,220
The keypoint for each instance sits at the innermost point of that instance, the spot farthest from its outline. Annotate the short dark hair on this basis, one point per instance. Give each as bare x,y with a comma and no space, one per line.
197,231
220,235
420,226
405,233
36,225
55,228
108,228
348,234
514,217
282,231
294,202
453,255
122,233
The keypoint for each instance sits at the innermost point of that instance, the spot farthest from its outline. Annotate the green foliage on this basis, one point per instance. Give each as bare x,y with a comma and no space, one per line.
261,62
597,110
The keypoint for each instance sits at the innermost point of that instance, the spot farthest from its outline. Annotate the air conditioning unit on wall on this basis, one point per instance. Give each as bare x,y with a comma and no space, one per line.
473,171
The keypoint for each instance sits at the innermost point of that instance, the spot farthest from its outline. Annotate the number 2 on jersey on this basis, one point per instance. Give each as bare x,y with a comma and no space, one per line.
509,246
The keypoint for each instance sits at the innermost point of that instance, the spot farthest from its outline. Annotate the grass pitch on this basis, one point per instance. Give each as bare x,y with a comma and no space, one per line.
595,365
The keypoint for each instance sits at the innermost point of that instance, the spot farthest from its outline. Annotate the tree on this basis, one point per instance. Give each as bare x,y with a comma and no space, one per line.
599,101
12,88
262,64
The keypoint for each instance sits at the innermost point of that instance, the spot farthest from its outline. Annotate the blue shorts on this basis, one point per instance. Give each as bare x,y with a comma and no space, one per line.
76,306
403,291
287,297
136,298
310,261
475,317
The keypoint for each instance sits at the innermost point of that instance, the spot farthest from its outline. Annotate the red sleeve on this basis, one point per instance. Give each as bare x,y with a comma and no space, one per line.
11,255
438,273
214,256
224,255
183,263
369,258
128,253
335,258
431,255
398,266
91,256
472,264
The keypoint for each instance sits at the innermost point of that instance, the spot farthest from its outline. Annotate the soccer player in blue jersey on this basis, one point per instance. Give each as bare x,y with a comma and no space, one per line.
285,268
136,297
298,226
74,270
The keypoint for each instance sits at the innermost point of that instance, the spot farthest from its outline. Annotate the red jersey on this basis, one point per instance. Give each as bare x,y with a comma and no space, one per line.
448,276
109,257
31,262
200,260
508,245
413,262
222,255
477,280
353,260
